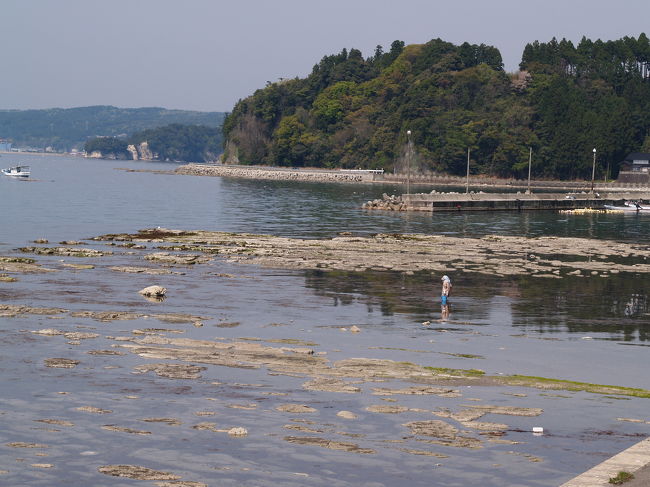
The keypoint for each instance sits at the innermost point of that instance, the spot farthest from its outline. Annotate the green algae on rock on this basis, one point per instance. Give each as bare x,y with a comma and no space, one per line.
567,385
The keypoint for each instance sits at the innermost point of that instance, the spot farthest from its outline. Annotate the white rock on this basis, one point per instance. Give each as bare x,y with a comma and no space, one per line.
346,415
238,432
153,291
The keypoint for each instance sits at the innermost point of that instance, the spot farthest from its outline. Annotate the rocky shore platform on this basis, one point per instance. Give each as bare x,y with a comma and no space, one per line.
176,391
492,255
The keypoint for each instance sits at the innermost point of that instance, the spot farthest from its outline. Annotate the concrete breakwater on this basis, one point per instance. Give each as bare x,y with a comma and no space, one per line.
279,174
499,201
322,175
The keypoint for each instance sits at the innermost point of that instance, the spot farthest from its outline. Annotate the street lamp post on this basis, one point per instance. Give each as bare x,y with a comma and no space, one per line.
467,180
530,161
408,161
593,171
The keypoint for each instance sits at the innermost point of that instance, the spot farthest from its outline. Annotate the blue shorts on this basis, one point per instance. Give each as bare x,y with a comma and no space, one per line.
444,299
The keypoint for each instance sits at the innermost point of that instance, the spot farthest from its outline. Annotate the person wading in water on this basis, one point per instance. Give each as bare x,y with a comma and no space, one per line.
446,289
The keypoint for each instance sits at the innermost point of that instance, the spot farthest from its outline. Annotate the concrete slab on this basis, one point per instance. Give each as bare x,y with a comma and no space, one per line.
634,460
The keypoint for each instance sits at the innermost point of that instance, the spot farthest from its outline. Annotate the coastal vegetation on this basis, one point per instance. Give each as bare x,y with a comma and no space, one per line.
354,112
621,477
175,142
64,129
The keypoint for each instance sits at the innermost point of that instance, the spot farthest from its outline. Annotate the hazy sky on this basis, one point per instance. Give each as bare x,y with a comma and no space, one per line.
207,54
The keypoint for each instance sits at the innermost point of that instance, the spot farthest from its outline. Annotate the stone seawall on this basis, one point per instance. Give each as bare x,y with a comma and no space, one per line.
500,201
279,174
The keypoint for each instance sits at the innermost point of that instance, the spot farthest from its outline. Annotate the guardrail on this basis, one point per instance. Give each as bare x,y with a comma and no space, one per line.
368,171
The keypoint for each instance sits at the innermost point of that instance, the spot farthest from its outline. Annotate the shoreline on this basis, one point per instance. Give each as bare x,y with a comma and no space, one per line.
350,176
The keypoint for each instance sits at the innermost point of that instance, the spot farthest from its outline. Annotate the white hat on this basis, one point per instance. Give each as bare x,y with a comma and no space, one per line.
445,278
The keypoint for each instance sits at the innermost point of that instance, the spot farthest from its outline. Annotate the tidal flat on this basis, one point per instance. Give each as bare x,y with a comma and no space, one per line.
281,361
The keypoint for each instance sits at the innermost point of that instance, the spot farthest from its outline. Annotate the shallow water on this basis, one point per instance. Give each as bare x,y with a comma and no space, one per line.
590,329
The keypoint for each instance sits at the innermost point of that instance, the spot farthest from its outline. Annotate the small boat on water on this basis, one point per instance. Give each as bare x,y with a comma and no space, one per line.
629,206
17,171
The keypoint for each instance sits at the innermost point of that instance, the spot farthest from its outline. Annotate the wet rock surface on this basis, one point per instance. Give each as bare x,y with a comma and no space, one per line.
296,408
64,251
122,429
136,472
61,363
171,371
494,255
140,270
21,265
325,443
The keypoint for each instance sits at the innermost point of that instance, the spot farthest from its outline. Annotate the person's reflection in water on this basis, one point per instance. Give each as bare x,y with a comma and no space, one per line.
444,312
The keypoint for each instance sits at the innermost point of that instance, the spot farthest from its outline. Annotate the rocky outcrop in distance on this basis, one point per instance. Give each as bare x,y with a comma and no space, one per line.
141,152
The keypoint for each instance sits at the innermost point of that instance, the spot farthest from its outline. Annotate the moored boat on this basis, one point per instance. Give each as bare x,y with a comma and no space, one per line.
628,206
17,171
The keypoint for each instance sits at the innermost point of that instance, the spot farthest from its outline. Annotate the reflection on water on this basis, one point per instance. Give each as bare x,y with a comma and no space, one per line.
445,312
616,306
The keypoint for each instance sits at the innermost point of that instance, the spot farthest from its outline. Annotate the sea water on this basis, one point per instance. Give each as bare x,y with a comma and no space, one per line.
580,329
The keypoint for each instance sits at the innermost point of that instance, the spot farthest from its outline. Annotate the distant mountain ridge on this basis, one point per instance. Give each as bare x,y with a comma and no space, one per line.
65,129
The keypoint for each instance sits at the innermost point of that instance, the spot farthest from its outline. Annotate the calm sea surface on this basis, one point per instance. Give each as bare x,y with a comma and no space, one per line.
593,330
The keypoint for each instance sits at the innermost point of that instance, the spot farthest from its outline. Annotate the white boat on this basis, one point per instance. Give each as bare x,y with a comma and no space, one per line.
628,206
17,171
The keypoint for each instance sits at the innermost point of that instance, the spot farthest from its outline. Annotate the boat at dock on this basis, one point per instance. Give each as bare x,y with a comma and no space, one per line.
17,171
628,206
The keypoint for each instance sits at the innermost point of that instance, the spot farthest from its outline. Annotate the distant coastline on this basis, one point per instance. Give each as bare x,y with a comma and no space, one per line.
58,154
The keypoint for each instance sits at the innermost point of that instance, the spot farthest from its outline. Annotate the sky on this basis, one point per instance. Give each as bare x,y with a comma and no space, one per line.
207,54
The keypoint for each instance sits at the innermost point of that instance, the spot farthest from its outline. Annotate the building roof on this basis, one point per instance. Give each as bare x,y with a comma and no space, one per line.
638,156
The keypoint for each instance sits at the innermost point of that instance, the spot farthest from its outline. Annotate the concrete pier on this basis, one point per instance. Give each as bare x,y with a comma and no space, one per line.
502,201
633,460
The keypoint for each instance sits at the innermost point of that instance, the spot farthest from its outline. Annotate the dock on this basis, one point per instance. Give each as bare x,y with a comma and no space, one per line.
435,201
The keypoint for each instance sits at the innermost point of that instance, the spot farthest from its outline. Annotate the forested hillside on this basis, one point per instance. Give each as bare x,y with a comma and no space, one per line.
353,111
65,129
175,142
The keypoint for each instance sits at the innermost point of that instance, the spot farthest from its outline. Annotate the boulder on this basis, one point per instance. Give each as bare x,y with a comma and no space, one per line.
153,291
